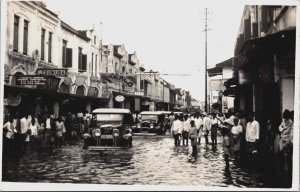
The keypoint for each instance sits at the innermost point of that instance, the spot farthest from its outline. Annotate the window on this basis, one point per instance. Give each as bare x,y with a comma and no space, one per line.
82,60
123,69
94,39
50,47
66,55
116,67
43,44
142,84
64,52
79,58
92,63
96,58
16,33
25,39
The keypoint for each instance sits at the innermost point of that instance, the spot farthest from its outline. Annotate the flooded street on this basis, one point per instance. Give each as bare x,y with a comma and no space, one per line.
151,161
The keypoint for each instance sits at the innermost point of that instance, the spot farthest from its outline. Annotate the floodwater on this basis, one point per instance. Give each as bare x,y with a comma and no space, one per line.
151,161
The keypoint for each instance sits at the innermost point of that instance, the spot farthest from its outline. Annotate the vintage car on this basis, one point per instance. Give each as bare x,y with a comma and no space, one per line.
110,129
150,123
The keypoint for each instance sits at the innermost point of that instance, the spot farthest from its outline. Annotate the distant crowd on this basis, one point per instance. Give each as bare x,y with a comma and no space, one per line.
240,135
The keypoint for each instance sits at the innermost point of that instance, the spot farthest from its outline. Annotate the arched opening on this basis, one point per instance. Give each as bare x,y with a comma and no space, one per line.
123,69
80,90
64,88
13,81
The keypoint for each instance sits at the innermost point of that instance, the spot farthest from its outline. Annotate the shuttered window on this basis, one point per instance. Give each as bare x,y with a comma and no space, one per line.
50,47
16,33
25,37
64,47
84,62
43,44
79,59
69,56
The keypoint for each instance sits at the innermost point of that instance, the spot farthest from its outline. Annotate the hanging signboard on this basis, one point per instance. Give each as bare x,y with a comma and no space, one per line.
30,80
52,72
139,93
119,98
216,85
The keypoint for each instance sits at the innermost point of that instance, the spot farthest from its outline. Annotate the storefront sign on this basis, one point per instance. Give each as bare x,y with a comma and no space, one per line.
129,80
52,72
216,85
93,92
30,80
68,81
139,93
119,98
52,83
14,101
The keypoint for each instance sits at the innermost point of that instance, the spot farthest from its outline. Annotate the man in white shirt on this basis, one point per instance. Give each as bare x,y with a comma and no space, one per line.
252,133
24,132
186,130
199,125
207,123
176,130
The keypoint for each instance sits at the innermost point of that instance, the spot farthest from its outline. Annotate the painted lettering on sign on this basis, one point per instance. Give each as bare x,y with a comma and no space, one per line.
52,72
30,80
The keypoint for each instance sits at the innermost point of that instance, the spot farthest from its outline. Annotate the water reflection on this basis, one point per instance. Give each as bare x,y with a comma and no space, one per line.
150,161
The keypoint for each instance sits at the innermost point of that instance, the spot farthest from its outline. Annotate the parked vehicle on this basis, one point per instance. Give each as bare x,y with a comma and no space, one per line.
110,129
151,123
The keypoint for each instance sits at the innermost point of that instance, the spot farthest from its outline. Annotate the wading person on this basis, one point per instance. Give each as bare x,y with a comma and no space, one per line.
59,132
25,133
226,144
199,126
206,127
193,136
214,129
252,134
33,134
285,143
8,137
176,128
186,130
236,132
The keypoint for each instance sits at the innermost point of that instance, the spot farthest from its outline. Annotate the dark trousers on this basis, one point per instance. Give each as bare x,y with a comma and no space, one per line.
206,137
185,137
214,137
176,139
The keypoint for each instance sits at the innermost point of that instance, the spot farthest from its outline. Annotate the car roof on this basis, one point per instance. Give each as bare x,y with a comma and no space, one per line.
111,110
151,113
165,112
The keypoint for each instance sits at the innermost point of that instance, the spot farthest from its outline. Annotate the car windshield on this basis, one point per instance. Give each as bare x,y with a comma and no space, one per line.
109,117
149,117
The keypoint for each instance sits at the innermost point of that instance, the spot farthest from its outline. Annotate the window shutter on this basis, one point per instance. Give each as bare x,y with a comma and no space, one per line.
69,57
84,61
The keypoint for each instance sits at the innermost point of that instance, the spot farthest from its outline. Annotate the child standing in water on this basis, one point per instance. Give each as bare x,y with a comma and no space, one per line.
225,144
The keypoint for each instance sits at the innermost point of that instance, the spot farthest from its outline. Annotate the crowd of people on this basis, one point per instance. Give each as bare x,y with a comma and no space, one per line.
240,134
23,133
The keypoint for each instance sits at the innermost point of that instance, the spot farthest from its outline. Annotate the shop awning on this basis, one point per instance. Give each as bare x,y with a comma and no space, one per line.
271,43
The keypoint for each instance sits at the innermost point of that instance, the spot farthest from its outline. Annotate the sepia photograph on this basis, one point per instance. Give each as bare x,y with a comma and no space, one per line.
149,95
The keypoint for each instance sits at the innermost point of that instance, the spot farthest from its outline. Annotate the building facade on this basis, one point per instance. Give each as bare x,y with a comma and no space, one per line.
264,62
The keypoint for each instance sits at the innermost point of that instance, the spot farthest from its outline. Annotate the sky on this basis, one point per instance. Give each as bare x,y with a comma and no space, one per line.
167,35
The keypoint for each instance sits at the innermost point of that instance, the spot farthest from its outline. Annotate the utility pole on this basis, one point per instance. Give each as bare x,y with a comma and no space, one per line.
206,107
